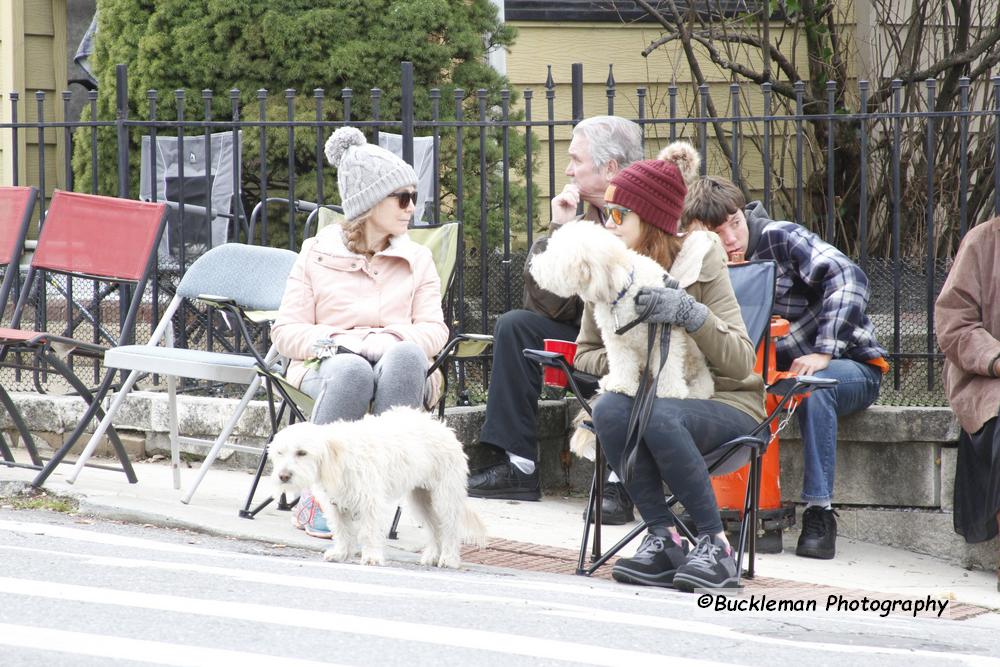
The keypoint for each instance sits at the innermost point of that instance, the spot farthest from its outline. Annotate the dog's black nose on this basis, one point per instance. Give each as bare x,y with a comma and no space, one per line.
284,477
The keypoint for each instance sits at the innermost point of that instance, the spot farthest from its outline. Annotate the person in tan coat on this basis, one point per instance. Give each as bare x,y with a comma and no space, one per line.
967,317
361,316
644,203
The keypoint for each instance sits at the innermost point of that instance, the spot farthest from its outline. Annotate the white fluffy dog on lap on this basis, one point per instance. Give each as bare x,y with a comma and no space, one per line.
588,261
358,471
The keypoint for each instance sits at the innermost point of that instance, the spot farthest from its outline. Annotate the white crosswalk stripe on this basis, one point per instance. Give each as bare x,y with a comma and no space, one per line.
123,648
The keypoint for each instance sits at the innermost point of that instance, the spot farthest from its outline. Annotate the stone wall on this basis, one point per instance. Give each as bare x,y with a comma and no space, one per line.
894,482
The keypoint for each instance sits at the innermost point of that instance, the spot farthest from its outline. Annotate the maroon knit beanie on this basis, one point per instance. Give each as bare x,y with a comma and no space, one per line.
653,189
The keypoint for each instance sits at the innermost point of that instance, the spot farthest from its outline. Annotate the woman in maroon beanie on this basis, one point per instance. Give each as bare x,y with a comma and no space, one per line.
644,203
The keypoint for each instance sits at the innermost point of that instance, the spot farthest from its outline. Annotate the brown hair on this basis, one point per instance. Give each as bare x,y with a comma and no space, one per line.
659,245
711,200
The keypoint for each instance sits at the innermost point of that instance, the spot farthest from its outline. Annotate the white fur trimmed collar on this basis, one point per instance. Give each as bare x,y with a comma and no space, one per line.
688,263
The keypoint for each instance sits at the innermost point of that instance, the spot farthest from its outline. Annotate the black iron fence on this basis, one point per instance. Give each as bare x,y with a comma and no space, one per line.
882,184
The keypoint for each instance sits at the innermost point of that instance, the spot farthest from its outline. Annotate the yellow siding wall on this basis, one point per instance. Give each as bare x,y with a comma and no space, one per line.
33,58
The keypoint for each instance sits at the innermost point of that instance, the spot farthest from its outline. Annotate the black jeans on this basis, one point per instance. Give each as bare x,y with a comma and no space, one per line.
515,384
682,439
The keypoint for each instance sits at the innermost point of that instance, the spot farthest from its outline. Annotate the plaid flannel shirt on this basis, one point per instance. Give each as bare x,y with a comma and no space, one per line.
821,292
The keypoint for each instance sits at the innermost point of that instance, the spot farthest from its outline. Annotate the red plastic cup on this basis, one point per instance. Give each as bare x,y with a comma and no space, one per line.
554,377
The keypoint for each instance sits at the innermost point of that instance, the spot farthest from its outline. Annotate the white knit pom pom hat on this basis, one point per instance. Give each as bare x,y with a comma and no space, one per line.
366,173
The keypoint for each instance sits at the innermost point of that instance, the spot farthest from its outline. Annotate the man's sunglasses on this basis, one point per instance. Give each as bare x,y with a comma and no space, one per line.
404,198
616,213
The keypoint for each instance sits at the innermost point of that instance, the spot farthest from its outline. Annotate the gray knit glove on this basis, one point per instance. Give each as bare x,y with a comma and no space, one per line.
671,306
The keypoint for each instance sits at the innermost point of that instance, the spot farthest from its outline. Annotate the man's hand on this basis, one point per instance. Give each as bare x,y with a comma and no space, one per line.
564,204
810,364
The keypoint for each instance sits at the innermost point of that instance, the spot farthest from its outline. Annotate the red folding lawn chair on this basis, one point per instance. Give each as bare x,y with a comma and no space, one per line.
86,239
16,207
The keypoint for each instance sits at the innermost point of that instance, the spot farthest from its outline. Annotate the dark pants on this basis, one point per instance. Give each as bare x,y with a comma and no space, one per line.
515,384
682,438
977,483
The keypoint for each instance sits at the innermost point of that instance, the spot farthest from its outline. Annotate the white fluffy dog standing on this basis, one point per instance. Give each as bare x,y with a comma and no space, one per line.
358,471
585,260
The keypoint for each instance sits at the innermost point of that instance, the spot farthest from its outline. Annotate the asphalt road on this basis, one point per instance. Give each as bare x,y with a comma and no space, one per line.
79,591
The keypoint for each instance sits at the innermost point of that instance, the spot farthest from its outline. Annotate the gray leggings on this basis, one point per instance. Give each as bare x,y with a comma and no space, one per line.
346,385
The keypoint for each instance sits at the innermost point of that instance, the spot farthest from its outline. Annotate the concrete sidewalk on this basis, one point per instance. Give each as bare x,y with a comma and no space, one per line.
524,535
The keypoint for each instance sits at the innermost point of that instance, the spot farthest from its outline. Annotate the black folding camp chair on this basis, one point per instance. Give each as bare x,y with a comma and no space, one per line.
753,283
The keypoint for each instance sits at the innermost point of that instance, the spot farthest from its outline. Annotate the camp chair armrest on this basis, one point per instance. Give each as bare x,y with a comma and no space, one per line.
799,384
42,339
585,377
547,358
747,441
482,338
452,348
216,301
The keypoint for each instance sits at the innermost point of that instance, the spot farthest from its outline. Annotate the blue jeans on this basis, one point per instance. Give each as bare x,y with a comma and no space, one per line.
858,388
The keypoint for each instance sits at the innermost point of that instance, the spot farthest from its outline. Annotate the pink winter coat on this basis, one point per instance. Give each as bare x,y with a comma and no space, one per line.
332,291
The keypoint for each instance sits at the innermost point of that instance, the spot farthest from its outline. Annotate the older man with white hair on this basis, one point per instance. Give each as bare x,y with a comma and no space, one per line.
601,146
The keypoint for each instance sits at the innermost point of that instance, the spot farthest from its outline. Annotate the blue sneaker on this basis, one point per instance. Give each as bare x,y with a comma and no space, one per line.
309,517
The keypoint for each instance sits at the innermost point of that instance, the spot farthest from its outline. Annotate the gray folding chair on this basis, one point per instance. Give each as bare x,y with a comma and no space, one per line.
249,278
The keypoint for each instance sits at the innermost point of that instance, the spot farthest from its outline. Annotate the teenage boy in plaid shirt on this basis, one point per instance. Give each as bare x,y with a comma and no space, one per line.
823,295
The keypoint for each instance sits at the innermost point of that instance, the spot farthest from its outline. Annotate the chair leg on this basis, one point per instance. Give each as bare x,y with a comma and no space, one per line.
748,526
103,426
93,410
227,430
275,415
580,569
175,445
5,450
246,512
393,535
614,549
598,559
754,503
600,465
22,428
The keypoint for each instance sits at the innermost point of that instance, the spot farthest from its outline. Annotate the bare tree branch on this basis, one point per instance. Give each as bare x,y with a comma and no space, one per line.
685,36
954,60
784,89
784,64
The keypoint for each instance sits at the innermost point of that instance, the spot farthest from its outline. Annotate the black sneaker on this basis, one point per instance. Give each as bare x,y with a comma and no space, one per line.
654,564
709,565
504,481
616,506
818,538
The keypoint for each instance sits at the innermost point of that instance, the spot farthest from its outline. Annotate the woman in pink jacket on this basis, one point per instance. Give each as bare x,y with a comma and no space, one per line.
361,315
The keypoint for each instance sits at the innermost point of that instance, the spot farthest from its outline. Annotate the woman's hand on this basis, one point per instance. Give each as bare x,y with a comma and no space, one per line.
348,342
671,306
375,345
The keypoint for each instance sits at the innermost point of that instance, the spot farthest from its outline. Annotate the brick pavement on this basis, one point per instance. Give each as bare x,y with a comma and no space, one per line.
540,558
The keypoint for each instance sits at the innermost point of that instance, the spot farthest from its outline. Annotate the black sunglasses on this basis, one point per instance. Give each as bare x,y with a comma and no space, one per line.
404,198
